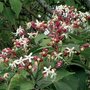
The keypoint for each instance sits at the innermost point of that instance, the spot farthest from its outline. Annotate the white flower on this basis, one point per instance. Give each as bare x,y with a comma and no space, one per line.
32,35
28,57
1,59
52,73
39,16
59,8
46,32
87,14
12,65
70,50
38,23
28,25
17,62
23,41
65,34
58,56
19,31
47,71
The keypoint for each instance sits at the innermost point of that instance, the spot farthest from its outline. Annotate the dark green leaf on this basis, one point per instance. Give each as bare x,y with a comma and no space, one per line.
62,73
20,82
16,6
9,15
1,7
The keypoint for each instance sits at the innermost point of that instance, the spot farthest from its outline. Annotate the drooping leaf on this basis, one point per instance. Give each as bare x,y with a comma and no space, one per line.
8,14
70,2
21,83
16,6
73,82
62,86
39,37
62,73
1,7
44,83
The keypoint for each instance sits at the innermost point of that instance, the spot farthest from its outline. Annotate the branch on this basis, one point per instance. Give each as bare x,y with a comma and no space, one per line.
45,5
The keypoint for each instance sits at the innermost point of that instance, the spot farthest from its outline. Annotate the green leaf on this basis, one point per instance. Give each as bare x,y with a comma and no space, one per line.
16,6
24,73
1,7
73,45
39,38
76,39
3,86
62,73
18,82
62,86
75,81
86,53
70,2
9,15
45,42
44,83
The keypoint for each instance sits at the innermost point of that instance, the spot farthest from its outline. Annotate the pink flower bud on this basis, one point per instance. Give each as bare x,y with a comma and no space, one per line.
59,64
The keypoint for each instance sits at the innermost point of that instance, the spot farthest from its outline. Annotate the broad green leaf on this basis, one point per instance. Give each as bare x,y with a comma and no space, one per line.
24,73
72,81
44,83
75,81
62,86
39,38
45,42
70,2
16,6
76,39
9,15
48,81
62,73
1,7
21,83
86,53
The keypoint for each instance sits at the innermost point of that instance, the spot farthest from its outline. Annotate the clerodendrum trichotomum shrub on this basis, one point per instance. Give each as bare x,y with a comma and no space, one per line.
49,55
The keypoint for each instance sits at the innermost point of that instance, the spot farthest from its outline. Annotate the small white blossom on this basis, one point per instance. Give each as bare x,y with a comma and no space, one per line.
39,16
19,31
28,57
70,50
48,71
46,32
58,56
65,34
28,25
32,35
52,73
38,23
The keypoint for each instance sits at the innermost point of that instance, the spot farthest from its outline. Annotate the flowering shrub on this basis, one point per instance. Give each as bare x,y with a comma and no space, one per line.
43,52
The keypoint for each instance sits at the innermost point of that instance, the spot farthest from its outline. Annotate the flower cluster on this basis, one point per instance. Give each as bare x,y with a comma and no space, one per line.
22,62
65,20
6,53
